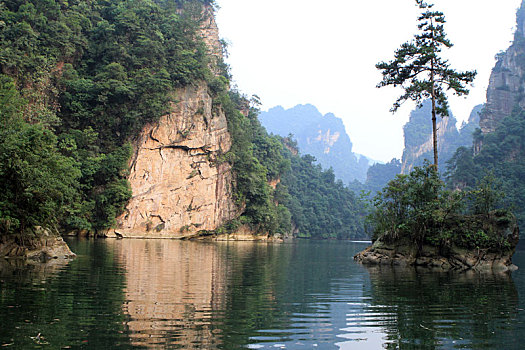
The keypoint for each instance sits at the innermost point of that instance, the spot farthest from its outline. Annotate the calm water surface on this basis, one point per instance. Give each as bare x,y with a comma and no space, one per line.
163,294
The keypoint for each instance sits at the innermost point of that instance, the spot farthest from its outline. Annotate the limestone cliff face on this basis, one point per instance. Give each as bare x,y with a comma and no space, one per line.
179,184
412,155
419,140
507,81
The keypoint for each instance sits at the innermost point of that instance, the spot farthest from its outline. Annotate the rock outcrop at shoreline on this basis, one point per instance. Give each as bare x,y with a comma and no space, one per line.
41,247
407,253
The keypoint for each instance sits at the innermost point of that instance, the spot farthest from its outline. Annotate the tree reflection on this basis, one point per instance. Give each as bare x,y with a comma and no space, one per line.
433,310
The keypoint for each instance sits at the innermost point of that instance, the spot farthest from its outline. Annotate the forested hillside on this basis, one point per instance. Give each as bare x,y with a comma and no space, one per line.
498,149
80,79
91,73
320,205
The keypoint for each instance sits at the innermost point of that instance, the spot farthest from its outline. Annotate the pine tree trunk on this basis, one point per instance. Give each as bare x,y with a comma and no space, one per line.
434,132
434,121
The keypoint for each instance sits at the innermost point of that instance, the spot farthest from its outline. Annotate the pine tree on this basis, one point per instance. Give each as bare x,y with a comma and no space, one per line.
423,74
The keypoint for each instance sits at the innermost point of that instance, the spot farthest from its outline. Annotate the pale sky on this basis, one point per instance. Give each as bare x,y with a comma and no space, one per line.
324,52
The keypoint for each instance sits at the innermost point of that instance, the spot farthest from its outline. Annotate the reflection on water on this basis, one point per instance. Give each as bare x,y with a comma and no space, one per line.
31,271
76,307
194,294
163,294
434,310
172,287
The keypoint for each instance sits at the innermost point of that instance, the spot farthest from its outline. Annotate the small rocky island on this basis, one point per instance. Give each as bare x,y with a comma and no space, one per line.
482,253
416,221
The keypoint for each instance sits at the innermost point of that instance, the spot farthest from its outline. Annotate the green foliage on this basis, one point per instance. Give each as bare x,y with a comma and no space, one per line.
307,196
256,159
93,73
38,185
320,206
406,206
379,175
485,197
423,74
418,208
502,156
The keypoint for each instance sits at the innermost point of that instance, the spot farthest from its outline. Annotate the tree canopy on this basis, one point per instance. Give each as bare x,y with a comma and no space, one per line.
420,70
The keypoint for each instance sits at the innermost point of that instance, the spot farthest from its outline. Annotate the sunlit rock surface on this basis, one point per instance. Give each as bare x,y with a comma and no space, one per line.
180,182
180,185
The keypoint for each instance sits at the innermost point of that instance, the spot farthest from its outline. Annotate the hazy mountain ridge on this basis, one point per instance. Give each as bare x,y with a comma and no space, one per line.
323,136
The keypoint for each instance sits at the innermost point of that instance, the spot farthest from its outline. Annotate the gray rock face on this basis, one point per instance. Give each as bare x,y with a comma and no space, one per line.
41,248
419,139
507,81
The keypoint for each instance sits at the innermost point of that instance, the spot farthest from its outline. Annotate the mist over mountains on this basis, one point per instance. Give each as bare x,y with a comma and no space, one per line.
322,136
325,137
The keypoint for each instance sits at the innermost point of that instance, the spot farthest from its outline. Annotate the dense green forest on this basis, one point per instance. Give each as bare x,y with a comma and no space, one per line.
321,206
79,79
502,155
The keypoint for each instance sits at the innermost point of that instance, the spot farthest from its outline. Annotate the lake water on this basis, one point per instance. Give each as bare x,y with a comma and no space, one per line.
165,294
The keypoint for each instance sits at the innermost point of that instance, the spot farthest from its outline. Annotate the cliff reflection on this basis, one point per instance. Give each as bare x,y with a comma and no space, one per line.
436,310
172,286
177,291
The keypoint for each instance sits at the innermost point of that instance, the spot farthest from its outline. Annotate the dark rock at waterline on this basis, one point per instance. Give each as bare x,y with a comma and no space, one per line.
41,246
407,253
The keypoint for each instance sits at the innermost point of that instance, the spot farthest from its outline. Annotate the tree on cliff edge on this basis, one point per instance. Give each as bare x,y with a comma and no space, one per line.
423,74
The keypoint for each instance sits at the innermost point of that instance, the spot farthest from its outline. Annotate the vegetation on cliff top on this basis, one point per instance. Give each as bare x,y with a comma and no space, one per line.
92,73
80,79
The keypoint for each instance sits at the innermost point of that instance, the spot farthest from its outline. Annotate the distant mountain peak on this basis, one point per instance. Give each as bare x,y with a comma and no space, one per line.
323,136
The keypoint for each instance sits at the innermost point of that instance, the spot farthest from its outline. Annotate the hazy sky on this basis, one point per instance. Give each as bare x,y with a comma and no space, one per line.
324,52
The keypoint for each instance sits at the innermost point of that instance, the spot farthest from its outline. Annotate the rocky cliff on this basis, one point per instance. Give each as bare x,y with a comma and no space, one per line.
414,153
180,184
418,137
507,80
